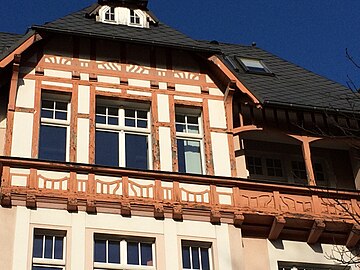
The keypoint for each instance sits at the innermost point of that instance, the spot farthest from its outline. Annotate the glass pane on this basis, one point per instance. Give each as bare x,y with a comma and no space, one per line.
189,157
130,113
186,257
113,111
100,110
58,252
130,122
113,121
180,118
114,252
193,120
48,247
47,114
100,119
60,115
193,129
47,104
100,251
195,258
136,147
205,263
133,253
142,123
61,106
180,128
181,155
146,254
142,114
38,246
107,148
52,145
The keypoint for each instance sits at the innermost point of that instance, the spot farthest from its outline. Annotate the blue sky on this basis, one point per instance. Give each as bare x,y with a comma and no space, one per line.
311,33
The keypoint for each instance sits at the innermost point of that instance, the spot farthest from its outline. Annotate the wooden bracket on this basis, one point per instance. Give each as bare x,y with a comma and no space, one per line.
126,209
31,201
316,231
276,228
91,207
159,211
354,236
72,205
6,200
177,213
215,216
238,219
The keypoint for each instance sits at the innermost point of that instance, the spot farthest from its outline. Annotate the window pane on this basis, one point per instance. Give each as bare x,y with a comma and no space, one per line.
142,114
205,263
189,157
58,253
146,254
61,106
114,252
180,118
180,128
195,258
107,148
52,144
193,129
100,251
142,123
100,119
47,114
113,121
113,111
100,110
47,104
60,115
130,122
192,120
136,147
130,113
133,253
38,246
186,257
48,247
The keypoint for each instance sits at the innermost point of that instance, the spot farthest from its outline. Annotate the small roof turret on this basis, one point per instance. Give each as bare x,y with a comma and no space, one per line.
141,4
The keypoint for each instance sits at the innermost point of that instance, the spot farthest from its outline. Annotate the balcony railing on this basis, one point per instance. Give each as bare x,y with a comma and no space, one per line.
262,209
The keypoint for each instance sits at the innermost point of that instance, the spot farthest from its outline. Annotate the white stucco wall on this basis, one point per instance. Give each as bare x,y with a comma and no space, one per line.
221,155
22,135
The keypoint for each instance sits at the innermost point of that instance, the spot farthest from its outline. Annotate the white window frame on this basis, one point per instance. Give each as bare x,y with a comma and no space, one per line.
57,122
198,245
198,137
122,130
263,157
44,262
123,252
104,14
245,62
136,14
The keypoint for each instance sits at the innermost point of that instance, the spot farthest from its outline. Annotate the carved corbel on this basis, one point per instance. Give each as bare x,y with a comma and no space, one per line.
6,200
215,216
91,207
159,211
238,219
126,209
31,201
177,213
72,205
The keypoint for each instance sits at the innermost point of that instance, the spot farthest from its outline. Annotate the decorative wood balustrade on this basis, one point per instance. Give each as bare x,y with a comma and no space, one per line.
263,209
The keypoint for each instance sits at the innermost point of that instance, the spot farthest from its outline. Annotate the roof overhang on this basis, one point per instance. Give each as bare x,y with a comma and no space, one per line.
19,47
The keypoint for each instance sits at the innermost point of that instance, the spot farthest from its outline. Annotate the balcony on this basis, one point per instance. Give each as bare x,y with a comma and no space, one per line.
261,209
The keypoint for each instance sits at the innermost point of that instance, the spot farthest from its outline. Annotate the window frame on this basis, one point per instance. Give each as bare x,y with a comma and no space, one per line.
187,136
57,122
135,15
109,9
265,176
198,245
121,129
46,262
124,240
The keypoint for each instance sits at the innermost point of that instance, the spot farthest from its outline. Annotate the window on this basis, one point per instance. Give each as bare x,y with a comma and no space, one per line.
54,130
273,167
196,255
134,18
110,14
254,165
48,250
264,167
122,137
309,266
189,143
299,172
116,252
253,65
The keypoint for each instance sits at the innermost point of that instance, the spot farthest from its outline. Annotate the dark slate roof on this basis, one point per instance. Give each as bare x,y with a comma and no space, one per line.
78,23
291,85
7,40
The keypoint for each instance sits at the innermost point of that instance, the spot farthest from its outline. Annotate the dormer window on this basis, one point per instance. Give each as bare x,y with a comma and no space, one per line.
110,14
134,18
253,66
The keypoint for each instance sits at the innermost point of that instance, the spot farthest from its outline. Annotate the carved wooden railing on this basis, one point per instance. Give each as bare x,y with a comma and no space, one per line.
219,199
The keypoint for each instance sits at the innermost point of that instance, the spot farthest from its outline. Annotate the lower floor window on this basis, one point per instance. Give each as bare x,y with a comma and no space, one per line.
52,144
48,250
116,253
196,255
189,156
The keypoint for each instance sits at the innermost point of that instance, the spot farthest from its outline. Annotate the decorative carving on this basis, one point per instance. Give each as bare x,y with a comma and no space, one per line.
132,68
31,201
336,207
215,216
126,209
260,201
109,188
197,197
6,200
91,207
238,219
159,211
53,184
72,205
137,190
186,75
58,60
110,66
177,212
291,204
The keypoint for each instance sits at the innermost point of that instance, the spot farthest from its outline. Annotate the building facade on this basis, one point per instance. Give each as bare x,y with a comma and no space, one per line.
128,145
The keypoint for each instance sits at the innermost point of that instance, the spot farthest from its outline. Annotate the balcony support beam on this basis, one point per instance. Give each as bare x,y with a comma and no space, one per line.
276,228
354,236
316,231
